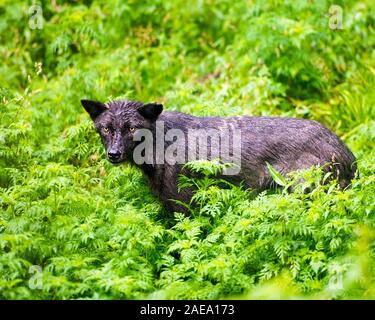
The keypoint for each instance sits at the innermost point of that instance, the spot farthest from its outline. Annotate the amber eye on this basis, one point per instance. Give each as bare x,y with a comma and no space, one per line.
131,129
106,129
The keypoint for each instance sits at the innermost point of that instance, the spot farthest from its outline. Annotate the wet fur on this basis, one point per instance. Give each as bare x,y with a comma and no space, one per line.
288,144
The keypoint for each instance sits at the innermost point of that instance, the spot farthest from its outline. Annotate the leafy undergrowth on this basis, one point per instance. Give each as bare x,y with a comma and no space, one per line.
72,226
90,244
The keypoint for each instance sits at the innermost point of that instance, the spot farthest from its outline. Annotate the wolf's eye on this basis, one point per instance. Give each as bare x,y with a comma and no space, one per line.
106,129
131,129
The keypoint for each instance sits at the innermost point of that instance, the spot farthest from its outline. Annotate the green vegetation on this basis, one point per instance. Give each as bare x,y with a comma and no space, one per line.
96,231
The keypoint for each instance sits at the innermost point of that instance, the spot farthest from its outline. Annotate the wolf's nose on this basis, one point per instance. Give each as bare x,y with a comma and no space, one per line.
114,155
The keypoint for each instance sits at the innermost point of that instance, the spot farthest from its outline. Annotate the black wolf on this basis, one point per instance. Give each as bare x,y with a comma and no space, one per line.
288,144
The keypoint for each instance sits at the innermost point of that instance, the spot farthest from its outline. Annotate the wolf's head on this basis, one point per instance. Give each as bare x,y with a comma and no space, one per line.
117,121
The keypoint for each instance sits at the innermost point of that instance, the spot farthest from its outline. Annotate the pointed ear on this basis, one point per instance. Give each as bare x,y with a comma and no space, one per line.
151,111
94,108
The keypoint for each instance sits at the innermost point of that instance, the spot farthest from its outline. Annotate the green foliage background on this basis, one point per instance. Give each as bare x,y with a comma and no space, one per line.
97,232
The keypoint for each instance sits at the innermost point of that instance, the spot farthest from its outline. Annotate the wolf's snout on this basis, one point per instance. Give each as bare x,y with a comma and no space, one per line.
114,156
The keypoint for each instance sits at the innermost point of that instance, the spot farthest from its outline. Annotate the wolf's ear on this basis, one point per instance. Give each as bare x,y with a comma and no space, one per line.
151,111
94,108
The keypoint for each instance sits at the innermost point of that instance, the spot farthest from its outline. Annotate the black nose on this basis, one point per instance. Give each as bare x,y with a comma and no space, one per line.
114,155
